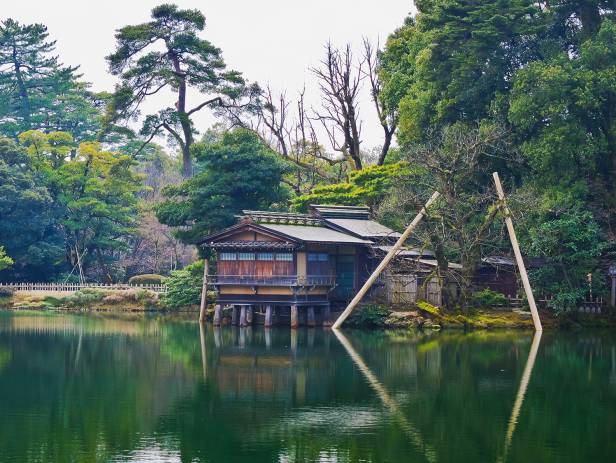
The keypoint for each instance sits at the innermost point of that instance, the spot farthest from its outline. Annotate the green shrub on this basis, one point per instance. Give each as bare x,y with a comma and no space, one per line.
369,316
184,286
429,308
146,279
487,298
84,297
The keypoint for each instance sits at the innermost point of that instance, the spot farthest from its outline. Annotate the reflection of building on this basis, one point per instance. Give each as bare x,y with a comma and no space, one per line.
281,262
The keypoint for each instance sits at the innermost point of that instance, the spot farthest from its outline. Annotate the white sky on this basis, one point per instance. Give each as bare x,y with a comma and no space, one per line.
269,41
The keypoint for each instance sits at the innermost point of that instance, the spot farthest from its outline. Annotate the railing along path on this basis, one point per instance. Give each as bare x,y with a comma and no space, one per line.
72,287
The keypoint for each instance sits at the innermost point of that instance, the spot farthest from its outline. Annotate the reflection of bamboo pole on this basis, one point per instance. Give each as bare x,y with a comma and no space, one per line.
203,292
390,255
518,255
203,351
387,400
517,405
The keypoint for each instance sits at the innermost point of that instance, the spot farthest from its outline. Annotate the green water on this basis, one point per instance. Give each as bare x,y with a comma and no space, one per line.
87,388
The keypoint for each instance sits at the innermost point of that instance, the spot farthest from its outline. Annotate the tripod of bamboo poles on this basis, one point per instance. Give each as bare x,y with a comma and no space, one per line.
409,230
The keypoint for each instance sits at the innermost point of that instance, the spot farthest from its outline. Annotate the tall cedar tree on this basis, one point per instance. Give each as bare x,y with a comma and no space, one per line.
167,53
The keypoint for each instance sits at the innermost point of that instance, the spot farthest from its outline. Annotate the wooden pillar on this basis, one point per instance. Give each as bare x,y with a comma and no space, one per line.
310,318
268,316
294,316
326,311
243,315
217,315
234,315
217,337
249,310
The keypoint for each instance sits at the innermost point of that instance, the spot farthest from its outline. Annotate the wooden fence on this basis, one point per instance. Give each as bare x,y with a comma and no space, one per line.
72,287
589,305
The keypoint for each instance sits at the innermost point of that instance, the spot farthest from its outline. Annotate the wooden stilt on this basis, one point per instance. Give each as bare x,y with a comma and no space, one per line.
243,315
268,316
202,309
613,301
326,315
518,255
234,315
217,315
310,318
217,336
249,311
294,317
390,255
268,339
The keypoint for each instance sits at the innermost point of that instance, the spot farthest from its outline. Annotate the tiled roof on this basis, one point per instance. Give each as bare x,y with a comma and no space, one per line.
350,212
364,228
312,234
281,217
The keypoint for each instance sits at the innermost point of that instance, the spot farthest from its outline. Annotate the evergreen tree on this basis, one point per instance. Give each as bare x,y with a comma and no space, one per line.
237,172
37,92
167,53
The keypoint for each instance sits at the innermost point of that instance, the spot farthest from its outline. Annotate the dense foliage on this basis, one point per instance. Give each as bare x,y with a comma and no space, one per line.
236,172
524,88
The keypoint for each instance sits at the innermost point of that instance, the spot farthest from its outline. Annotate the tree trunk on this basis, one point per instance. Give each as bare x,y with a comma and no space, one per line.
25,107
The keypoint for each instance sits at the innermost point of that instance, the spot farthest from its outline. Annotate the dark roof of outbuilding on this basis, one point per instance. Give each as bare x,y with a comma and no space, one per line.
364,228
314,234
340,212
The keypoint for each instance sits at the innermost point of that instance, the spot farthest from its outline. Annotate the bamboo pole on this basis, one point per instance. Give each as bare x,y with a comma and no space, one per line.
518,255
390,255
203,292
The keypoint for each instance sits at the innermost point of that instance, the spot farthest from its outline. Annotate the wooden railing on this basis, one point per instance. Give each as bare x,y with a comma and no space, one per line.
588,305
72,287
273,280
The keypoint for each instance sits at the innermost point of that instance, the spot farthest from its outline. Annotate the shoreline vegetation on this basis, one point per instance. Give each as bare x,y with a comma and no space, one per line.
419,317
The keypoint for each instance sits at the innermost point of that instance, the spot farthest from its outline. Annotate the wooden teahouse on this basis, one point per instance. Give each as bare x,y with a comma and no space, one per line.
294,266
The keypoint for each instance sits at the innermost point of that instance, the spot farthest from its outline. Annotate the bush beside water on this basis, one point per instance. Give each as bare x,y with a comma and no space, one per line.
146,279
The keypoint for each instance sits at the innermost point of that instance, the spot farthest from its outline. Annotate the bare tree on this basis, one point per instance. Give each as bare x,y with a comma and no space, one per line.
461,229
388,117
340,83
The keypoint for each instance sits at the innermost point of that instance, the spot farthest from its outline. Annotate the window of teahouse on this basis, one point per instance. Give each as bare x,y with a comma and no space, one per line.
284,256
246,255
265,256
227,256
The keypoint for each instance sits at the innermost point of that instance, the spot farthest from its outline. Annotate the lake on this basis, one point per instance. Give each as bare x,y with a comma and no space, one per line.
86,388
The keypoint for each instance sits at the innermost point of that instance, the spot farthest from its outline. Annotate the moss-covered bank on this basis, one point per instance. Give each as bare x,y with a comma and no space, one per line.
424,316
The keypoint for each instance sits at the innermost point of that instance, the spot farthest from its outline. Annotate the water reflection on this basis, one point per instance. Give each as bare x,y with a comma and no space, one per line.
83,388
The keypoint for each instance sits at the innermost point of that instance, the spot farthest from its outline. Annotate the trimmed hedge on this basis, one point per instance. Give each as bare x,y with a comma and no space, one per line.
146,279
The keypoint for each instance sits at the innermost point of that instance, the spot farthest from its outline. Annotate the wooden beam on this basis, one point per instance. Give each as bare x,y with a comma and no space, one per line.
390,255
217,314
294,316
518,255
202,309
268,316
